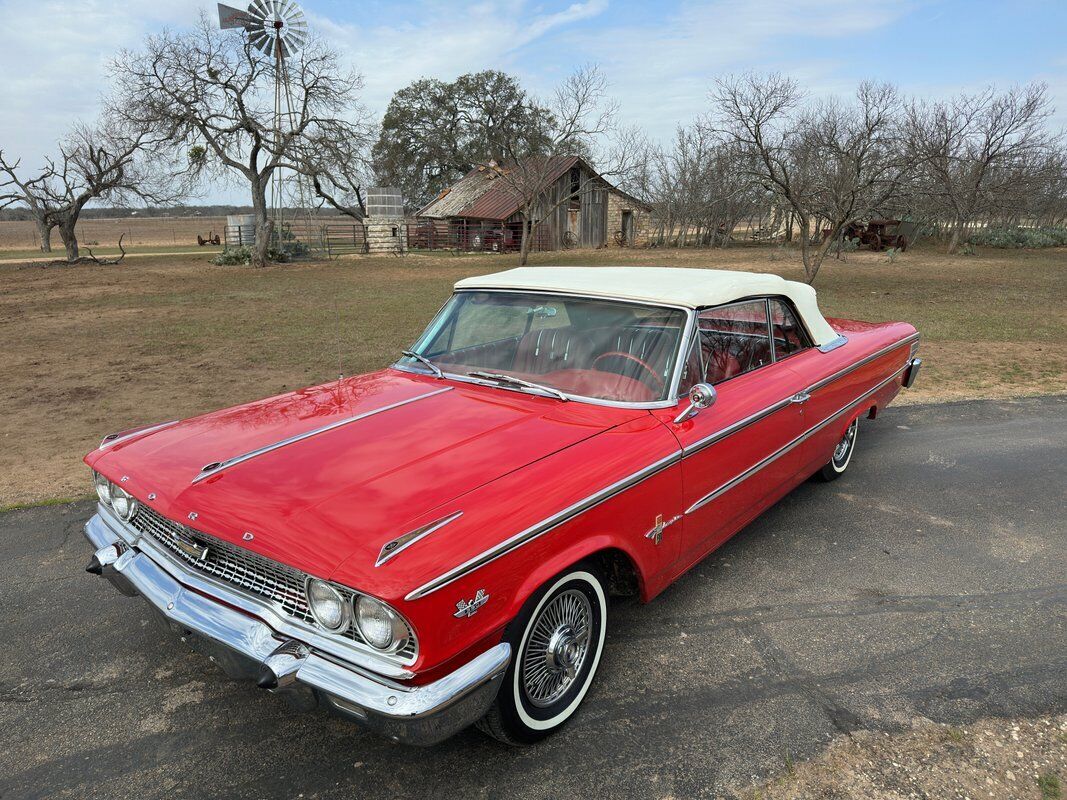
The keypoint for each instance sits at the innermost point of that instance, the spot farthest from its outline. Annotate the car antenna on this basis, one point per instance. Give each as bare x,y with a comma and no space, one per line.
337,336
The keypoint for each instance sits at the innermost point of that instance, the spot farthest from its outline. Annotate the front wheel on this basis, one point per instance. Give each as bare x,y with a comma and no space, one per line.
557,641
838,463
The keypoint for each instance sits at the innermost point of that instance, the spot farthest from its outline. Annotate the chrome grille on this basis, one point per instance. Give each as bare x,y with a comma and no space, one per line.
241,568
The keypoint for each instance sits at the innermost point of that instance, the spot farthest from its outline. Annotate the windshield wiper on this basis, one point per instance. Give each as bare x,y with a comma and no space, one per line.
501,378
436,370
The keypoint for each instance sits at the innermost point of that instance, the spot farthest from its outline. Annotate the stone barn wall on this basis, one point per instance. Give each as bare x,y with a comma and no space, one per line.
617,203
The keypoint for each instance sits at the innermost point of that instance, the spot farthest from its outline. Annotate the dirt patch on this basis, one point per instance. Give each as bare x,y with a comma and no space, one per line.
1001,759
92,349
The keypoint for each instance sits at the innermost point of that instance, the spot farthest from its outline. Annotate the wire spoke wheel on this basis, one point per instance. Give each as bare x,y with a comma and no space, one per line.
844,447
842,455
557,648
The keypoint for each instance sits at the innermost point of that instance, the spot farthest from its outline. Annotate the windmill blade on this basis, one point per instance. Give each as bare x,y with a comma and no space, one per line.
230,17
259,8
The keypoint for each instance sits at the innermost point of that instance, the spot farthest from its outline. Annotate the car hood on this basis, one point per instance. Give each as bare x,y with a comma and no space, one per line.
400,447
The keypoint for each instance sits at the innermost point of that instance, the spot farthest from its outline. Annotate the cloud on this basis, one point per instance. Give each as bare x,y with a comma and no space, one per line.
663,68
445,40
54,62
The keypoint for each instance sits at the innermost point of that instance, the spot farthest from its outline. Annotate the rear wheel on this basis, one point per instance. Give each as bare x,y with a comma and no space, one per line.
838,463
557,641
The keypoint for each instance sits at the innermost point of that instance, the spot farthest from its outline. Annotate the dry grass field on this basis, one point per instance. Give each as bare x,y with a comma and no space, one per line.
139,232
92,349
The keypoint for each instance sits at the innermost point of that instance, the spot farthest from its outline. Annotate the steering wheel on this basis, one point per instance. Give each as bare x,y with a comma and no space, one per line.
630,357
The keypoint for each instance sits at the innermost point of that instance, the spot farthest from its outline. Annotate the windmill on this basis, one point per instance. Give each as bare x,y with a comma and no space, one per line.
278,29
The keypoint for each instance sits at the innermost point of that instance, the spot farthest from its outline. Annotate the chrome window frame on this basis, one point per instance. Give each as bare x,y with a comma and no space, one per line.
695,334
809,340
672,386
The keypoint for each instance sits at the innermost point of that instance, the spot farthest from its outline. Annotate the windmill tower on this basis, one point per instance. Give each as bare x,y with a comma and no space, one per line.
278,29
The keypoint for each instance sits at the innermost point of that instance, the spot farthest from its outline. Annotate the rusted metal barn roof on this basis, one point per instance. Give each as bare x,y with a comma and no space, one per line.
480,194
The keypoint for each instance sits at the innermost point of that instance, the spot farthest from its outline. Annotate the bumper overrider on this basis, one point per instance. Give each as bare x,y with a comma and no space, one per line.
248,647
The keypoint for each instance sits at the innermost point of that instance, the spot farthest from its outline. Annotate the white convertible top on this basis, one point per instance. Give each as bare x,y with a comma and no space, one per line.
689,288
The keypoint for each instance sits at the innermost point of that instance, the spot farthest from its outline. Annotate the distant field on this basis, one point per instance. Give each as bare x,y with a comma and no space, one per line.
92,349
104,233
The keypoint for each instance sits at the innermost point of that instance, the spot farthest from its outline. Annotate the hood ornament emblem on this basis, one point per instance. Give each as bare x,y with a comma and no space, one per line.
468,608
248,536
193,515
392,548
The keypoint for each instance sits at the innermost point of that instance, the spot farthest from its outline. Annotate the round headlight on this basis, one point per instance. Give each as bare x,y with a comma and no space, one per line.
379,624
125,506
103,488
327,605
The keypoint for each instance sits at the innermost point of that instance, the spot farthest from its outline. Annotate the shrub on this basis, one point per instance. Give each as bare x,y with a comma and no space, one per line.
1013,238
235,256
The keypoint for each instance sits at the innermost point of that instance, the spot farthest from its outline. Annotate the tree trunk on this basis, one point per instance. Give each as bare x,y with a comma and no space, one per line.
264,226
70,240
44,230
813,258
524,244
954,240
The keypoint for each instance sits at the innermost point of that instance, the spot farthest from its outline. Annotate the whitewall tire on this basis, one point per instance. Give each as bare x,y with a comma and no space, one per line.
557,641
842,455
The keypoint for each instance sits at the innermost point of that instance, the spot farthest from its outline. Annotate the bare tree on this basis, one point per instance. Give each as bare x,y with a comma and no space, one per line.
31,192
698,188
830,163
108,161
980,153
215,93
580,121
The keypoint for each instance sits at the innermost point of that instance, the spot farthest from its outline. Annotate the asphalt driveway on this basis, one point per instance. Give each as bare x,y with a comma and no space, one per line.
929,582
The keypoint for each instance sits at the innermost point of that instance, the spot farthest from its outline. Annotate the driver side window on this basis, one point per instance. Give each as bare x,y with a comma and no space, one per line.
732,340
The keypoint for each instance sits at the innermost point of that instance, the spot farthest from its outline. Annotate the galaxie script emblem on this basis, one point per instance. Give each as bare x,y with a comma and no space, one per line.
468,608
191,548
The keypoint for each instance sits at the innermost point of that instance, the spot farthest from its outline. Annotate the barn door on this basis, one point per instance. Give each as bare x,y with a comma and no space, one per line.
595,218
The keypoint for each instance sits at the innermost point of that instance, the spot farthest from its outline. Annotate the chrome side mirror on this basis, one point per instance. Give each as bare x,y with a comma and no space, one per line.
701,396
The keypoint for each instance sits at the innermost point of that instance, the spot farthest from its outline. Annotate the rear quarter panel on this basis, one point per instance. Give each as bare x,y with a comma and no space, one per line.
847,377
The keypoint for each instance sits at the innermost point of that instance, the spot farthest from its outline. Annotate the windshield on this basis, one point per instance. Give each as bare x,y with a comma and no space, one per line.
601,349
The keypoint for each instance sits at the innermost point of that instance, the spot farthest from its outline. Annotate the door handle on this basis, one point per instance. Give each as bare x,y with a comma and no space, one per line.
800,397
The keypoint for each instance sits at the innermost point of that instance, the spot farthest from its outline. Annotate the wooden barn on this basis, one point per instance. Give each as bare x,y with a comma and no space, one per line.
580,209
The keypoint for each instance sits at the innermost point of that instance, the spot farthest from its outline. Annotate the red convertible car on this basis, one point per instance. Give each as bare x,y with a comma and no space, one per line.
434,545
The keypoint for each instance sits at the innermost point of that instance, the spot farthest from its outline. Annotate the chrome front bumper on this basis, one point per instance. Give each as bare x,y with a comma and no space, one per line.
248,647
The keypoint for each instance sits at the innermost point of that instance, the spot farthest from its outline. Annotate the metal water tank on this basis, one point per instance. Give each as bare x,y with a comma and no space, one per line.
240,229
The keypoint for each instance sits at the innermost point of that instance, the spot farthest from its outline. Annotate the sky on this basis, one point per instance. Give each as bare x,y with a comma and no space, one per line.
660,57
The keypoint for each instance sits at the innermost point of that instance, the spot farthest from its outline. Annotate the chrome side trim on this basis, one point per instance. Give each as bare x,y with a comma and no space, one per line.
542,527
401,543
718,436
113,438
833,344
216,467
862,362
730,484
581,506
729,430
